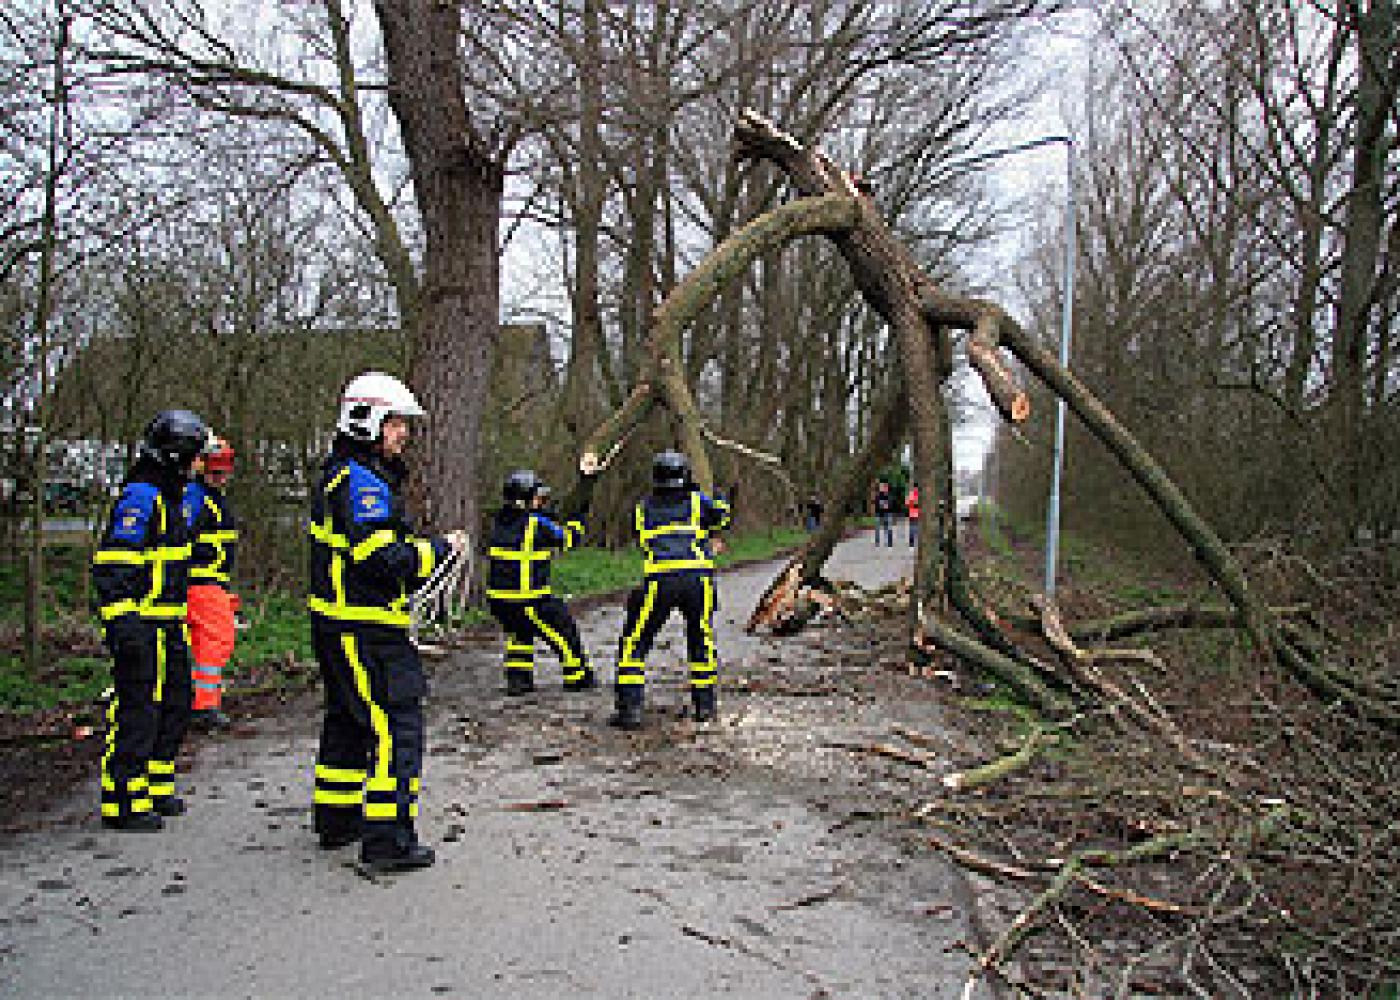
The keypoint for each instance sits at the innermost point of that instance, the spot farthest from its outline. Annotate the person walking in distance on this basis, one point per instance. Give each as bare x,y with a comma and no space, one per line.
674,525
884,513
911,504
365,562
139,574
214,534
523,541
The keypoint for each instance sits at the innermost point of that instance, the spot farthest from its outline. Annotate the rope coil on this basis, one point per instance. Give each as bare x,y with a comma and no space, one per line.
439,606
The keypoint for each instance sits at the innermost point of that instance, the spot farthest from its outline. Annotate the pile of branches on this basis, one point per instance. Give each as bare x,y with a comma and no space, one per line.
1209,828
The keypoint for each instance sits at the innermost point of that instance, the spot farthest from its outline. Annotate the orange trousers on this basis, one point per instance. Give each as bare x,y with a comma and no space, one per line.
211,641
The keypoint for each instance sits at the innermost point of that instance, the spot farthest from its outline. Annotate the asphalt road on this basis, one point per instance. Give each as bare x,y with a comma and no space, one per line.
753,859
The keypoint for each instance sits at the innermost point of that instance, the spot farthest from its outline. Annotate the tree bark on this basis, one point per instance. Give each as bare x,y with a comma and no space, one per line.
458,184
1374,25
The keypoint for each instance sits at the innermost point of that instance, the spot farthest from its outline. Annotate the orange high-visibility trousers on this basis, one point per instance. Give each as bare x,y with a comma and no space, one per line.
211,641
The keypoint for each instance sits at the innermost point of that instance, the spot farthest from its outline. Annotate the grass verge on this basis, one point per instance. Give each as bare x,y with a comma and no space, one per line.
275,650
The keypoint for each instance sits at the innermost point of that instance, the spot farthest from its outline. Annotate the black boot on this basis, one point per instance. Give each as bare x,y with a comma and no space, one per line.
703,701
588,682
209,720
397,858
168,805
520,682
629,707
135,823
335,837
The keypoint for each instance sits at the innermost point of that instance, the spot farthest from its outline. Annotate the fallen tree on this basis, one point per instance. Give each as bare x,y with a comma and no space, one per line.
945,612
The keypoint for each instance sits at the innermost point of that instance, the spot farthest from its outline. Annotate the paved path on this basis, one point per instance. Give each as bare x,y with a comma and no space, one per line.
749,860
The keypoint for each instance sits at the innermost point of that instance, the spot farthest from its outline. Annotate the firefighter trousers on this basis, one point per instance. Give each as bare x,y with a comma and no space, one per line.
371,755
544,618
648,607
148,714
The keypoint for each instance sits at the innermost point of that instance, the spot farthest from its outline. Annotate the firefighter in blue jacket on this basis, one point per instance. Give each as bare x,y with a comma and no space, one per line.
674,525
140,574
522,545
365,561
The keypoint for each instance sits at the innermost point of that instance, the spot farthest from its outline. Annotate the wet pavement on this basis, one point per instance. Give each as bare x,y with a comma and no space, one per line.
758,857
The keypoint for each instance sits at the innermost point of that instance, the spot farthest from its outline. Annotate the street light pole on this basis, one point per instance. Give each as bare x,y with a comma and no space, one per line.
1052,515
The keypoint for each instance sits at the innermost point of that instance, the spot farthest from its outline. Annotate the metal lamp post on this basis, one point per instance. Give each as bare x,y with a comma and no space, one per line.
1052,515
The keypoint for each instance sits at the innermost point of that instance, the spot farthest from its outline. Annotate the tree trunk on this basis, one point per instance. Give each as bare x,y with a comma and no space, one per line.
458,184
1374,26
584,391
34,578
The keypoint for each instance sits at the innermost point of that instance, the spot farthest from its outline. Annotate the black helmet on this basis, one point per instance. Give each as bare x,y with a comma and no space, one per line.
520,488
174,438
670,470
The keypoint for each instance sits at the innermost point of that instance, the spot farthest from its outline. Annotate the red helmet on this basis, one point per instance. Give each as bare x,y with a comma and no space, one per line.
219,457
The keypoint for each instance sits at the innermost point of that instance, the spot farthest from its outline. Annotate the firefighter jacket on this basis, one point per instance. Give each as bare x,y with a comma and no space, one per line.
213,533
140,568
522,544
674,528
366,559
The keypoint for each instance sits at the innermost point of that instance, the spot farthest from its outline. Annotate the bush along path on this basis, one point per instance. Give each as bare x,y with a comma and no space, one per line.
772,854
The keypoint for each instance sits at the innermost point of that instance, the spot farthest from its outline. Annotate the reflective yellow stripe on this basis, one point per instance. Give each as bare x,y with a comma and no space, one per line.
381,810
528,547
415,785
372,544
329,797
629,644
426,558
707,629
669,529
160,667
566,652
625,679
344,774
324,534
111,744
162,612
160,767
357,613
517,555
338,579
124,557
214,537
671,565
378,721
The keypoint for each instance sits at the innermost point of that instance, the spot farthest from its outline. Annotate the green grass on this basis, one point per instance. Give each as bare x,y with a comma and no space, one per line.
278,634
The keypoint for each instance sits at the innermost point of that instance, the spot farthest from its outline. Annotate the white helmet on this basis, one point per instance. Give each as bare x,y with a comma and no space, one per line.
368,399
